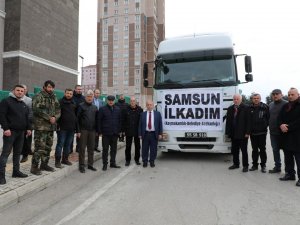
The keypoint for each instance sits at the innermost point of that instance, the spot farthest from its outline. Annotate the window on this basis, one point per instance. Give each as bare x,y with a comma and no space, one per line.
137,35
104,83
126,11
115,55
104,64
137,18
116,3
137,81
116,28
105,30
115,64
126,46
125,82
125,55
116,37
105,21
137,72
125,19
125,74
126,27
115,73
125,63
115,82
125,2
137,90
137,26
116,12
116,21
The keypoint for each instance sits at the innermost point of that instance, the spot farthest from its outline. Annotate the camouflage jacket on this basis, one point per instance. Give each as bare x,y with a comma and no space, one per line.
45,106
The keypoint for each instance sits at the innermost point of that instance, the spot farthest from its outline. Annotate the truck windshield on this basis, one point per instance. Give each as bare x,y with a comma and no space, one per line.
204,71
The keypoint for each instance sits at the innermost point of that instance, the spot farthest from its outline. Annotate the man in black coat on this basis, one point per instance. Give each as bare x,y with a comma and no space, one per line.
238,129
289,121
14,120
65,129
259,116
130,125
123,106
109,126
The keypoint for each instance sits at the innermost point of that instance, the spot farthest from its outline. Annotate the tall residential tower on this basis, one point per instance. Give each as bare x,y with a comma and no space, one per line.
129,32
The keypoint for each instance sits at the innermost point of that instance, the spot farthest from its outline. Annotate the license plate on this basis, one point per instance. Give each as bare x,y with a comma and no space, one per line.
195,134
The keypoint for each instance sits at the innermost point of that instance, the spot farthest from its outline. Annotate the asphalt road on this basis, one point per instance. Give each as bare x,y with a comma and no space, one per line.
182,189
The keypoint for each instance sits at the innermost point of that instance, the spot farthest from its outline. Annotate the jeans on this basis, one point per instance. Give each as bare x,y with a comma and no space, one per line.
64,140
15,142
275,143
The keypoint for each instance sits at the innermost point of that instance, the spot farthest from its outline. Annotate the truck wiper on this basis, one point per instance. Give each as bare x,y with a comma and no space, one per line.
171,84
216,81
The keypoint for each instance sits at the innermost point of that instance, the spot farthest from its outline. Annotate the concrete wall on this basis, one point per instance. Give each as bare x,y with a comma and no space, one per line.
47,30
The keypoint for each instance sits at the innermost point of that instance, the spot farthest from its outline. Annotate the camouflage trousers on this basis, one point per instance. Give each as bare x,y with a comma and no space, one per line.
43,141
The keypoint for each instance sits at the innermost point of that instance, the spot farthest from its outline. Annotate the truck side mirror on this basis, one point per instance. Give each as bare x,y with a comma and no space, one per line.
145,71
248,64
249,77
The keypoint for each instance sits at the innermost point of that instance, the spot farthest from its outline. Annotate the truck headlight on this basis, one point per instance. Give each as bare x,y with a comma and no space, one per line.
165,137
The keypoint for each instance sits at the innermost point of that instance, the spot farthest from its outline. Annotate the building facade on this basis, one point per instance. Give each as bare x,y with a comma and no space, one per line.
2,20
88,80
40,43
129,32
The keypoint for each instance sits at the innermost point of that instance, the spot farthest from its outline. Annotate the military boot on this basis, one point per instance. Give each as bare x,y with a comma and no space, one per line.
46,167
57,163
65,160
35,170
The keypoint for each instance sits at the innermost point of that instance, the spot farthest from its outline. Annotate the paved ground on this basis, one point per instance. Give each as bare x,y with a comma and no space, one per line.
17,189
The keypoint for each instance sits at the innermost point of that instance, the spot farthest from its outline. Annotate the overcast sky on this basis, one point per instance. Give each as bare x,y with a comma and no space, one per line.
266,30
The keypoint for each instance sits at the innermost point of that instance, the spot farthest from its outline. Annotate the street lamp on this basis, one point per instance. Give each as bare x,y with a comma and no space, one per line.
82,58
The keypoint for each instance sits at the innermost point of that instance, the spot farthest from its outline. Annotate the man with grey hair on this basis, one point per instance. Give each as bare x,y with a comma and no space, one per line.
27,139
86,130
259,117
238,129
289,121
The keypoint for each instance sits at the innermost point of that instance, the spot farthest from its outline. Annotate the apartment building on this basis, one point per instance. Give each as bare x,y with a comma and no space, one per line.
129,32
88,80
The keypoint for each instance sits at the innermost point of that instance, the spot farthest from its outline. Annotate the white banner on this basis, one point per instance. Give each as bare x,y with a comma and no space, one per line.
192,109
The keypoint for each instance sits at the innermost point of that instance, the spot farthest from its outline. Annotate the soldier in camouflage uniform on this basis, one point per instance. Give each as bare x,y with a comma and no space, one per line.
46,111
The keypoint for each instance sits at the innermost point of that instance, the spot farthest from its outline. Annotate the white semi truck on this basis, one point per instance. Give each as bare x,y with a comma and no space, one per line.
194,83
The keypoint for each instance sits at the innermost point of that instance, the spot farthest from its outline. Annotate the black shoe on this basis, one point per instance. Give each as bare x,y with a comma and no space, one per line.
127,163
233,167
275,170
298,183
263,169
2,181
287,177
81,169
115,166
145,164
245,169
104,168
92,168
137,163
19,174
97,150
24,159
152,164
253,168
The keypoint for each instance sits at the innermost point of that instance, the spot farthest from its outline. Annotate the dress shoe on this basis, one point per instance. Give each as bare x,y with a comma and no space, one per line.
253,168
287,177
263,169
35,170
298,183
104,168
24,159
145,164
152,164
81,169
127,163
275,170
92,168
137,163
245,169
115,166
19,174
2,181
233,167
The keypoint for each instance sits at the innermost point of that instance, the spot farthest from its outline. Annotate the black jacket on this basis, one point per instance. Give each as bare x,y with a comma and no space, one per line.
130,120
109,120
122,104
259,116
240,126
68,119
86,117
291,139
78,98
14,115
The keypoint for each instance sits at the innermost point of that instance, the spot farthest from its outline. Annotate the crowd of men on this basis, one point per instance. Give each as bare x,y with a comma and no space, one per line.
88,118
283,120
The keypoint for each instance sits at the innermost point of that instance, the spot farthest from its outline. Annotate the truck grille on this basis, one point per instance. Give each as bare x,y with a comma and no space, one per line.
207,139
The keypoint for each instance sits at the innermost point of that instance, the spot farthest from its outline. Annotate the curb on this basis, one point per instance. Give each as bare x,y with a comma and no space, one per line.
40,183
